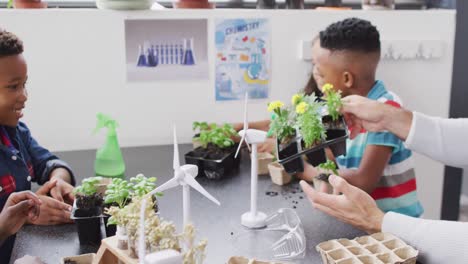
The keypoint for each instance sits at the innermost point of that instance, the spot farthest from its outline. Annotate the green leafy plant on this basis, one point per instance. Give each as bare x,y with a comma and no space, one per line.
214,134
118,192
308,118
333,98
88,186
281,125
201,126
329,165
142,185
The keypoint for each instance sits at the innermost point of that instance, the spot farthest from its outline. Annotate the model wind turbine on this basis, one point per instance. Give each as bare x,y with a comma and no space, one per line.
183,175
253,218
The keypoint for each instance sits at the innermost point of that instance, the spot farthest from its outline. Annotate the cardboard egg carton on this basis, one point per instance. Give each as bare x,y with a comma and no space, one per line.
378,248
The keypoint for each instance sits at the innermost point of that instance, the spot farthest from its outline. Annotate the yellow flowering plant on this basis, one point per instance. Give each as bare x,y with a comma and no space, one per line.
333,98
282,125
309,119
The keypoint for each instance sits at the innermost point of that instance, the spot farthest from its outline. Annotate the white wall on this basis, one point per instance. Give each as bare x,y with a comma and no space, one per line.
77,68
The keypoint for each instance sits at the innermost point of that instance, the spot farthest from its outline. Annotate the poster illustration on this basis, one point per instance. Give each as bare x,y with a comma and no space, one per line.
166,49
242,58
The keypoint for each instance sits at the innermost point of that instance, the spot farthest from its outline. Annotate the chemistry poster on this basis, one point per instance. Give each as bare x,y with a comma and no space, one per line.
166,49
242,58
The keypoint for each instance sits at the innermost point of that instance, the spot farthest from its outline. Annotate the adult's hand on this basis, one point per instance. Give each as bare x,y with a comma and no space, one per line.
363,113
19,208
353,206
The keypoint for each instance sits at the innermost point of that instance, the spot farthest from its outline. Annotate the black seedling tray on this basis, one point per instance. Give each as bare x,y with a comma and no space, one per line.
214,169
337,144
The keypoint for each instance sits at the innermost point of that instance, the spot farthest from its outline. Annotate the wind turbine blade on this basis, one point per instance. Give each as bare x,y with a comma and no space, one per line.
167,185
176,162
194,184
246,123
240,144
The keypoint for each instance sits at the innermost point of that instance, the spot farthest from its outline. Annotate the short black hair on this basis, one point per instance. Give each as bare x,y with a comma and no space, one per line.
351,34
10,44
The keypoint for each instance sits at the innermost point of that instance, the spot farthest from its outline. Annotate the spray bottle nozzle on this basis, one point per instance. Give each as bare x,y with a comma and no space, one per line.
105,121
109,160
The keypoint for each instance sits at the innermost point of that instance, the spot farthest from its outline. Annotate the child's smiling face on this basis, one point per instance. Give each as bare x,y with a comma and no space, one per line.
13,93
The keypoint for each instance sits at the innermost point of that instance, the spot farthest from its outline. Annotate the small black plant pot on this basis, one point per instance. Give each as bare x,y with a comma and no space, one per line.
110,229
316,157
88,224
285,151
214,167
337,133
339,148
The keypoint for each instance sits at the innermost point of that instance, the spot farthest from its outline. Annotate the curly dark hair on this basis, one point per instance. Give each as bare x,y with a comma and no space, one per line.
351,34
10,44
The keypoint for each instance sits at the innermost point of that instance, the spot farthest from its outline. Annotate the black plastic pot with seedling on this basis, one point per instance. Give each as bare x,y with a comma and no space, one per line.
321,182
215,157
287,144
87,211
336,129
310,127
117,194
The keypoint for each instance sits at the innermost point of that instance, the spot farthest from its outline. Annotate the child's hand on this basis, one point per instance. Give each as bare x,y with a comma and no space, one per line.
63,192
267,146
309,172
20,207
53,212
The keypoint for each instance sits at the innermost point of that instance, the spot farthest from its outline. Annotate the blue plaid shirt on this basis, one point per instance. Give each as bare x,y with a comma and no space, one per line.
22,161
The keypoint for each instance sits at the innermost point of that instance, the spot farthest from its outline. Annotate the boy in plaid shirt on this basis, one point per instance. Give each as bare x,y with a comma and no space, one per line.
22,159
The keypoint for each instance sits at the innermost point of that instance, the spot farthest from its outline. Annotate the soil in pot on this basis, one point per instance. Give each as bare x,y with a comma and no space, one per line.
89,202
329,123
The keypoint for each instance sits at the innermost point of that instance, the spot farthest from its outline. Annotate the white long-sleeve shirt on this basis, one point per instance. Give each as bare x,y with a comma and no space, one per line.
438,241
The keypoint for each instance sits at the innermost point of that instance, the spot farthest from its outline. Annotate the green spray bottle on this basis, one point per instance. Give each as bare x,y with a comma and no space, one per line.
109,160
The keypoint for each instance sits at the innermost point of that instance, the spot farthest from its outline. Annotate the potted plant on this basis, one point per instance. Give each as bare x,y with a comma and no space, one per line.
26,4
121,192
118,195
200,126
321,181
310,126
193,4
215,156
159,234
335,126
87,211
282,126
142,185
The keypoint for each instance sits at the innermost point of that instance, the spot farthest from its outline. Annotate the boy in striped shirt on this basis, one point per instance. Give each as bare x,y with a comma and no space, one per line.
346,55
